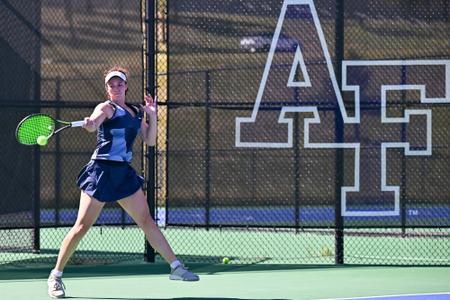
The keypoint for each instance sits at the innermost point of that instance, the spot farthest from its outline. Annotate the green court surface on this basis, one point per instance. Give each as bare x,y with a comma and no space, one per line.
144,281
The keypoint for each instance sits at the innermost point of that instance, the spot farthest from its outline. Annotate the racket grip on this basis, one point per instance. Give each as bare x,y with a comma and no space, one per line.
77,124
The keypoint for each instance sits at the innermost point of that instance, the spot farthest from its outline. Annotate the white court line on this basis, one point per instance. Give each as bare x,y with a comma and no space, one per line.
383,296
407,258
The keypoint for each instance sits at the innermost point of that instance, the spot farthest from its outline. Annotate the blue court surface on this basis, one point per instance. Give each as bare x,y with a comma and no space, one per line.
436,215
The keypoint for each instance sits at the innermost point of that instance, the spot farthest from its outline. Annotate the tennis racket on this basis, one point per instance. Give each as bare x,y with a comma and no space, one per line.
40,126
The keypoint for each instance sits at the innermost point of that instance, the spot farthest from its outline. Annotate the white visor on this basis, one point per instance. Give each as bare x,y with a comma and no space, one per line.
115,74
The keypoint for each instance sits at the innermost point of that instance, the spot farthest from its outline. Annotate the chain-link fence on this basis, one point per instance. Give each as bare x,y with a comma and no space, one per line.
292,131
322,122
54,54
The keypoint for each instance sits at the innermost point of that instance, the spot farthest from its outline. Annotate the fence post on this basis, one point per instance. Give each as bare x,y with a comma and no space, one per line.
37,151
58,154
207,149
149,79
296,164
339,131
403,198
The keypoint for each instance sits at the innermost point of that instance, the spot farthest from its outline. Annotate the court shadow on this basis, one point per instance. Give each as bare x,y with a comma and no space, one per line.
141,268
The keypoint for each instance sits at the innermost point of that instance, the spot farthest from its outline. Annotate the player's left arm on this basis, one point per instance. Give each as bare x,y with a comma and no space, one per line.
148,128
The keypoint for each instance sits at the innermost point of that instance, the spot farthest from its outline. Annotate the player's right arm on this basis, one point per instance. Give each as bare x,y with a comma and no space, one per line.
102,112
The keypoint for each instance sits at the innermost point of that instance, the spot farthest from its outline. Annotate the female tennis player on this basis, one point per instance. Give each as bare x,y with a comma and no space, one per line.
108,177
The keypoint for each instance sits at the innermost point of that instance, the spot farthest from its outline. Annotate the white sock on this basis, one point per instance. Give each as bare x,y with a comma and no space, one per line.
56,273
175,264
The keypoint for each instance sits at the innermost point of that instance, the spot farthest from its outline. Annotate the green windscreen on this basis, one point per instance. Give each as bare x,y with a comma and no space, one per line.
34,126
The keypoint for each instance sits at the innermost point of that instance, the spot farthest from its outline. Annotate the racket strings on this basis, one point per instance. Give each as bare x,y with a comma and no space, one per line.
34,126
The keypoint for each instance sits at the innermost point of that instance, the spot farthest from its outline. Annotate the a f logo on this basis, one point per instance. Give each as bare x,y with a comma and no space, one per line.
308,86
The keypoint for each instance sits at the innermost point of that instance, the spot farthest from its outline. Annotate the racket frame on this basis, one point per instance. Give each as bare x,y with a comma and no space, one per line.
54,130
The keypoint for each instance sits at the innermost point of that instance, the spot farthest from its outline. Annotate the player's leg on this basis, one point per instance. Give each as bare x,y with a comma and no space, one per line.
88,211
136,206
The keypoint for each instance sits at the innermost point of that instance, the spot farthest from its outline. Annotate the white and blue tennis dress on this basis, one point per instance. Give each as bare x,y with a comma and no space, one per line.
109,176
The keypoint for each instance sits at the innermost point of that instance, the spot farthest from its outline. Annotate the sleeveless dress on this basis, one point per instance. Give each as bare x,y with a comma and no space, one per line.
109,176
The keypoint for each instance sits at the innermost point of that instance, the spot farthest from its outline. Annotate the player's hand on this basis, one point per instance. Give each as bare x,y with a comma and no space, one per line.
150,105
89,124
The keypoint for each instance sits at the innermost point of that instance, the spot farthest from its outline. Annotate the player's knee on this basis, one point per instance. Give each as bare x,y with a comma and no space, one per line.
79,230
145,220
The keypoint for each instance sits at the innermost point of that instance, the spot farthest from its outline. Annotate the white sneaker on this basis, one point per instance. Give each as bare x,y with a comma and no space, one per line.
55,287
182,273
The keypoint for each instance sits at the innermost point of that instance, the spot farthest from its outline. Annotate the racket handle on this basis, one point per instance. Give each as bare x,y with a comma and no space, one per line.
77,124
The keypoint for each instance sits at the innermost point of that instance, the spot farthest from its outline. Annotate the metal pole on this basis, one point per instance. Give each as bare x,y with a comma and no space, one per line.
403,198
149,80
296,165
207,150
339,131
58,156
36,205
